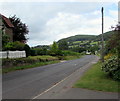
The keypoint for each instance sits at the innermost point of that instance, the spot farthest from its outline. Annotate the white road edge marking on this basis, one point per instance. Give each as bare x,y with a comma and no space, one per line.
57,83
54,85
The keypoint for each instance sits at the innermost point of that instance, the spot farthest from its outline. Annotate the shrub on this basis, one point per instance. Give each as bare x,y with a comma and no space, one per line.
67,53
8,63
27,50
33,52
108,56
39,51
14,46
5,40
8,46
112,68
18,45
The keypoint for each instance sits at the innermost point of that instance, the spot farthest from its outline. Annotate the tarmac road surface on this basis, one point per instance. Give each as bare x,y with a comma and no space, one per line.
26,84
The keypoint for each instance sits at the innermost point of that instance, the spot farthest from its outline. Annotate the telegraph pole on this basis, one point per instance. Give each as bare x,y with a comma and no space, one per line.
102,48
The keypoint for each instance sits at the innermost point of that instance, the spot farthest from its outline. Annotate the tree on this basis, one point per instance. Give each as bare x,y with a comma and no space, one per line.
27,50
63,45
14,46
54,51
114,41
20,29
93,48
78,49
5,40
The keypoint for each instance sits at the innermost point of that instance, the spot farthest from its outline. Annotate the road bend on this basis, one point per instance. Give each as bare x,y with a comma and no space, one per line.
26,84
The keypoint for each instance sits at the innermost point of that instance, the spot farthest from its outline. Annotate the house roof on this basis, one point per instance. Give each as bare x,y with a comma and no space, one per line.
8,22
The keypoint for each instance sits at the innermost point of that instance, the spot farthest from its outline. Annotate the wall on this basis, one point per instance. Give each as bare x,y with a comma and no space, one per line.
9,32
12,54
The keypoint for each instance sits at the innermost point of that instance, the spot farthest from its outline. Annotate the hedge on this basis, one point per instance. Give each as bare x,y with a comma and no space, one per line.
112,67
7,63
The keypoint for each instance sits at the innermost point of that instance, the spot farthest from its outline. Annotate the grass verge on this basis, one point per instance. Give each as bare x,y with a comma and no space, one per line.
6,70
72,57
51,60
96,79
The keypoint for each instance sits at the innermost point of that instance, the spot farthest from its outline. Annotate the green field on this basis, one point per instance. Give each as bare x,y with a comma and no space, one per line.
96,79
93,43
76,42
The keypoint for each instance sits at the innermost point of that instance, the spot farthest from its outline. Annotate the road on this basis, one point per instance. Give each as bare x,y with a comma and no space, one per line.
26,84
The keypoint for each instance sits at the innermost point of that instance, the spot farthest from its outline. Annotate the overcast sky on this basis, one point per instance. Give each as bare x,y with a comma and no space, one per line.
51,21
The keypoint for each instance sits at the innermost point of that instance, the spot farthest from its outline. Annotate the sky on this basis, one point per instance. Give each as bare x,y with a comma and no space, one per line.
51,21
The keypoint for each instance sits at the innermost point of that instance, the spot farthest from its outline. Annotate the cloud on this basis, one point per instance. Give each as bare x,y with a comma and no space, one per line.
69,24
52,21
113,13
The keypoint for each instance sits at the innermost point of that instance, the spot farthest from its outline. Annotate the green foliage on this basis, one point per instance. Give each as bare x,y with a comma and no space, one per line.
8,63
94,48
20,29
96,79
113,44
112,68
54,50
80,43
8,46
18,45
63,45
70,53
41,51
78,38
44,58
54,46
33,52
78,49
14,46
29,62
106,36
27,50
38,51
5,40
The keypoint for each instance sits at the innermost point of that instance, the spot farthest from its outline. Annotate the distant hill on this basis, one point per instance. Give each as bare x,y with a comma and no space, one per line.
85,41
78,38
81,40
87,37
42,46
106,36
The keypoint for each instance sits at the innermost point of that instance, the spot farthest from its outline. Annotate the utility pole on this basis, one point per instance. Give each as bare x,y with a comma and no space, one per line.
102,48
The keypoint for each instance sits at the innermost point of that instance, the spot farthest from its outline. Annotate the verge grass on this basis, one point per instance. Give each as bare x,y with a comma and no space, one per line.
96,79
72,57
6,70
51,60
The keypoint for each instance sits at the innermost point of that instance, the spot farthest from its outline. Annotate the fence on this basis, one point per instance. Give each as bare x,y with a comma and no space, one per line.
12,54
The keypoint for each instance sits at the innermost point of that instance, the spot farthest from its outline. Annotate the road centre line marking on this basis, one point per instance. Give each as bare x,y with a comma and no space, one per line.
57,83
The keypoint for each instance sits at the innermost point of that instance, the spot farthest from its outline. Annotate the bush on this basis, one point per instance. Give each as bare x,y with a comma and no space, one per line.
33,52
27,50
8,46
108,56
18,45
71,53
5,39
38,51
8,63
112,68
14,46
55,53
